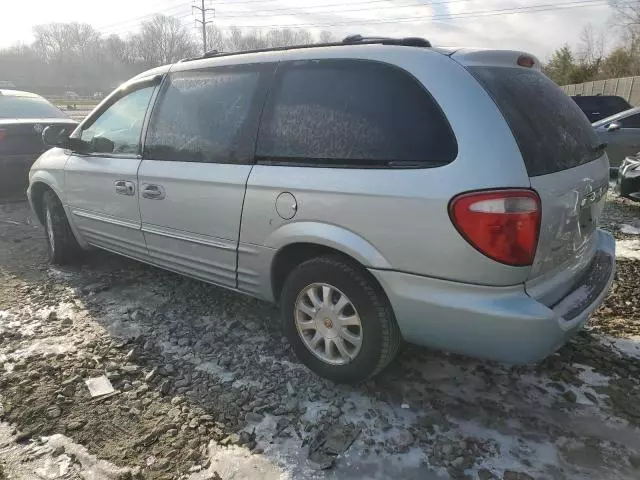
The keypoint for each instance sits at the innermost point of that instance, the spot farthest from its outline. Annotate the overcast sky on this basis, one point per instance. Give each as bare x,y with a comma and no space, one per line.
539,26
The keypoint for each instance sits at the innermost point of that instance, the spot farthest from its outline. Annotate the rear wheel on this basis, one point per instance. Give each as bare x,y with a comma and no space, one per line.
338,320
63,247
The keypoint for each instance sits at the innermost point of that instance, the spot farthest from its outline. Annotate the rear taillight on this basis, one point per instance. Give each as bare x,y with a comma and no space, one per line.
3,134
502,224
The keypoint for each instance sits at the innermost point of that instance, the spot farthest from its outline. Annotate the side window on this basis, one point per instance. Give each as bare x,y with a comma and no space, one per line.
353,113
203,116
632,121
121,123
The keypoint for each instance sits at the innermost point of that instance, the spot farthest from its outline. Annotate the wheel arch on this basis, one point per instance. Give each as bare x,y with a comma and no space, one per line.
298,242
36,193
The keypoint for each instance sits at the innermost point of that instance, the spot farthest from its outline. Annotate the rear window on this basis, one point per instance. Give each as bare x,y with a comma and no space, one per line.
27,107
352,113
552,132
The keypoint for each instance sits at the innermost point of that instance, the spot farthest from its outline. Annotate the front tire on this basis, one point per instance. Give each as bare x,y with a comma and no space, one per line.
63,248
338,320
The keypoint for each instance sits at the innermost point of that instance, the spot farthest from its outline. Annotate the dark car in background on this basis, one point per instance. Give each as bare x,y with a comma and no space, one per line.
23,117
597,107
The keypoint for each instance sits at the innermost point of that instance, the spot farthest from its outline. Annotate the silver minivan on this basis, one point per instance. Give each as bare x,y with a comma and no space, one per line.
379,190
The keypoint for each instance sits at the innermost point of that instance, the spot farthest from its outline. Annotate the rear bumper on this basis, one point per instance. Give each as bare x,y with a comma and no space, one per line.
498,323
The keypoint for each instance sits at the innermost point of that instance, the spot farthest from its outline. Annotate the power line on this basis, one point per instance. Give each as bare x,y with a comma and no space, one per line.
259,13
446,16
127,27
119,26
142,17
462,15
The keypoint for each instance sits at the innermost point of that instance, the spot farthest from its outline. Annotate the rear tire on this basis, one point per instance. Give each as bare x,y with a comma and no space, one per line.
62,244
364,318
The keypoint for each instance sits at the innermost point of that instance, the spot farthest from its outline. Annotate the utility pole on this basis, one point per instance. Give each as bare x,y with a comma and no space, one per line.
203,12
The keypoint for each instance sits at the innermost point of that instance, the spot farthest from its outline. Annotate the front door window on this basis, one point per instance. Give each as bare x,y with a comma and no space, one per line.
119,126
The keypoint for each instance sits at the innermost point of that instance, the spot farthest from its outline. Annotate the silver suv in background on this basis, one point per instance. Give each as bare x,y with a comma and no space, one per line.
377,189
621,134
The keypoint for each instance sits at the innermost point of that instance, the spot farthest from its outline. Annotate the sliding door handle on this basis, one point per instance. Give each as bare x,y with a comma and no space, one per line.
153,192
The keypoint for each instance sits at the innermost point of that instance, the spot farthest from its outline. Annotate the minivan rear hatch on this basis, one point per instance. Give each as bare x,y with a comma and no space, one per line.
565,162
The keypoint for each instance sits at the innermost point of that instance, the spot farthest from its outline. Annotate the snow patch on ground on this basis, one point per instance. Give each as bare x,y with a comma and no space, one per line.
629,346
590,377
237,463
629,229
628,249
46,346
512,449
36,459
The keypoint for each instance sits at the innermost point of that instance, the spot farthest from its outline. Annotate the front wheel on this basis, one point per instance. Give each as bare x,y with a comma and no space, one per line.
63,247
338,320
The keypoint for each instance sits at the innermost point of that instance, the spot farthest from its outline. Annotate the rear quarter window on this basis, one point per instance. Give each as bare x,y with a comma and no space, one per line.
27,107
552,132
352,113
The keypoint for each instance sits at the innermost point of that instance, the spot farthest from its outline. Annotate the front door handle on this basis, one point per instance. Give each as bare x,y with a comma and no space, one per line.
153,192
124,187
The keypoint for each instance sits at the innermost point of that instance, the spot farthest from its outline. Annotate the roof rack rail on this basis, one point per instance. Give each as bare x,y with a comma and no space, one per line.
350,40
407,41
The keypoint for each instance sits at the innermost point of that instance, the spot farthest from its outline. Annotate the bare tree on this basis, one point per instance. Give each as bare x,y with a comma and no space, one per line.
58,42
591,50
74,56
627,13
326,37
236,40
215,38
162,40
287,36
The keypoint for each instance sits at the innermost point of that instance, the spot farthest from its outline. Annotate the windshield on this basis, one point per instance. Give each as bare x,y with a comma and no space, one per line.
27,107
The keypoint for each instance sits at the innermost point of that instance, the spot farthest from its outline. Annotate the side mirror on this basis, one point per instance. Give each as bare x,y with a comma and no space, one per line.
613,126
53,136
77,145
101,145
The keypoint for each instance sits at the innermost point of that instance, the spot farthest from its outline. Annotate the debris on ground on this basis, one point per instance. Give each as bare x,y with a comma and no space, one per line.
99,386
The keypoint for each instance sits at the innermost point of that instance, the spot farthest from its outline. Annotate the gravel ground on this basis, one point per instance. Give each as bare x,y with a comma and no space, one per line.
207,388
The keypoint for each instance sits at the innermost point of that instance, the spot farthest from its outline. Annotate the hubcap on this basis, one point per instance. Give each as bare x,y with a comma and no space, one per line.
328,323
49,222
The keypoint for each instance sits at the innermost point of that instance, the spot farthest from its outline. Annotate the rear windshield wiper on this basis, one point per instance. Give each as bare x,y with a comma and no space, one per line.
414,164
